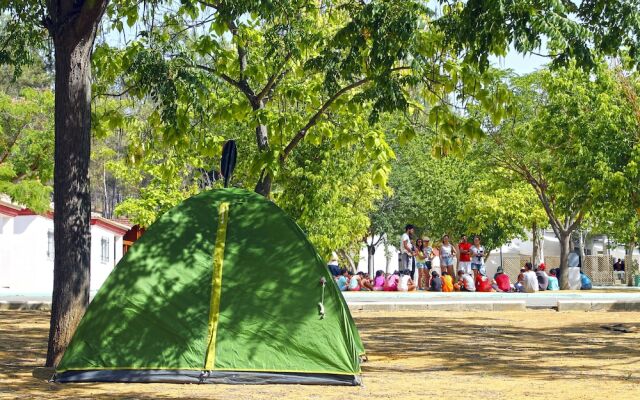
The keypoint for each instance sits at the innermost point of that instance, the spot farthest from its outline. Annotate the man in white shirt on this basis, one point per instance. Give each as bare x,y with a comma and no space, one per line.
530,279
465,282
406,248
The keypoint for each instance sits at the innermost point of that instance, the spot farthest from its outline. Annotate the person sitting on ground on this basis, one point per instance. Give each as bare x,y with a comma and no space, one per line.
365,281
465,283
406,283
530,283
519,286
447,282
343,280
502,280
553,281
482,283
391,284
354,283
543,278
436,282
378,282
585,282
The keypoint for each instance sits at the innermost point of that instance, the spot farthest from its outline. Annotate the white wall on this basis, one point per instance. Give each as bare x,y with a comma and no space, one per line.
101,269
6,234
25,266
31,267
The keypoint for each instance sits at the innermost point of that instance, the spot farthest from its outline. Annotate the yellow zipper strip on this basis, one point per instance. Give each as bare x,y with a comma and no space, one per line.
216,284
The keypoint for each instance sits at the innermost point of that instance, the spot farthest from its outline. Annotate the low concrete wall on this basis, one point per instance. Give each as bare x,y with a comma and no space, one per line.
25,305
440,306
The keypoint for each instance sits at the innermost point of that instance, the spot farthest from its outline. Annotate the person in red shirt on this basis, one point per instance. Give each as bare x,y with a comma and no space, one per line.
502,280
483,284
464,262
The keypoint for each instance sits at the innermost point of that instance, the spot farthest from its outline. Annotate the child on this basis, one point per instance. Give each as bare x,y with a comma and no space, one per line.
436,282
354,283
391,285
365,282
447,282
553,281
343,280
378,282
482,282
465,283
406,283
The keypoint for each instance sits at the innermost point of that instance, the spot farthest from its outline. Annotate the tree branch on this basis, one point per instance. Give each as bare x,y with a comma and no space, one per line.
316,116
275,77
243,86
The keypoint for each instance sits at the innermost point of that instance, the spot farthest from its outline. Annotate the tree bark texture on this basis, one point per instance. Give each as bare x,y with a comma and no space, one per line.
565,249
72,25
535,252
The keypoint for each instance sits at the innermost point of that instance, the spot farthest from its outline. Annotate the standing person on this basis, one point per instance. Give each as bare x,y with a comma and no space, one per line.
406,248
617,266
530,284
464,262
333,266
429,255
421,264
477,256
447,252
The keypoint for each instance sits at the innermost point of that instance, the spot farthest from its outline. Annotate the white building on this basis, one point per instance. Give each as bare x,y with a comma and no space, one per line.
26,250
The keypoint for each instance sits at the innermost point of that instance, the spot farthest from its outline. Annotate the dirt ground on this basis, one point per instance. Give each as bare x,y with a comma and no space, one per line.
463,355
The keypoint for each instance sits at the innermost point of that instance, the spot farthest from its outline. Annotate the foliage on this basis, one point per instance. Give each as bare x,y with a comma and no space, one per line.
500,210
454,196
26,147
573,131
293,64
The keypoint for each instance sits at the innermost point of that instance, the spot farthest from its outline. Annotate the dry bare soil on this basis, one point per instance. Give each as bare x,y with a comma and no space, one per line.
432,354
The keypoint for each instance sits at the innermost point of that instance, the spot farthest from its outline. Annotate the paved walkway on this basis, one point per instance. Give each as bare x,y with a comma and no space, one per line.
609,299
561,300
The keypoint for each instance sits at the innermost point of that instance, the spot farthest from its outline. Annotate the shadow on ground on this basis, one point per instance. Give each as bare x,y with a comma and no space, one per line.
499,354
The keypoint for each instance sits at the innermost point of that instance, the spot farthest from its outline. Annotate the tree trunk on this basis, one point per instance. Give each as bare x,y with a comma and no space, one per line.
535,252
263,186
565,249
371,250
73,27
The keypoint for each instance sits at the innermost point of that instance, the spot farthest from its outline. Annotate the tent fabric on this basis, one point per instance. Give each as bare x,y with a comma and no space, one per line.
223,282
223,377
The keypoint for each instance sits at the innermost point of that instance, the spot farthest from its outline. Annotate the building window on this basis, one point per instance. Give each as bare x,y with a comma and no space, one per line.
50,247
104,250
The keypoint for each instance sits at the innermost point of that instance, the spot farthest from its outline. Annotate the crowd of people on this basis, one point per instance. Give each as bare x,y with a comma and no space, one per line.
469,276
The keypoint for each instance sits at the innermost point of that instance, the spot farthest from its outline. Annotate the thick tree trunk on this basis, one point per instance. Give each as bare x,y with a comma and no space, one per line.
565,249
371,251
73,27
535,252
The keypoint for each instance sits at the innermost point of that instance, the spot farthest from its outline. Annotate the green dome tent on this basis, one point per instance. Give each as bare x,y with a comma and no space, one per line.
223,288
